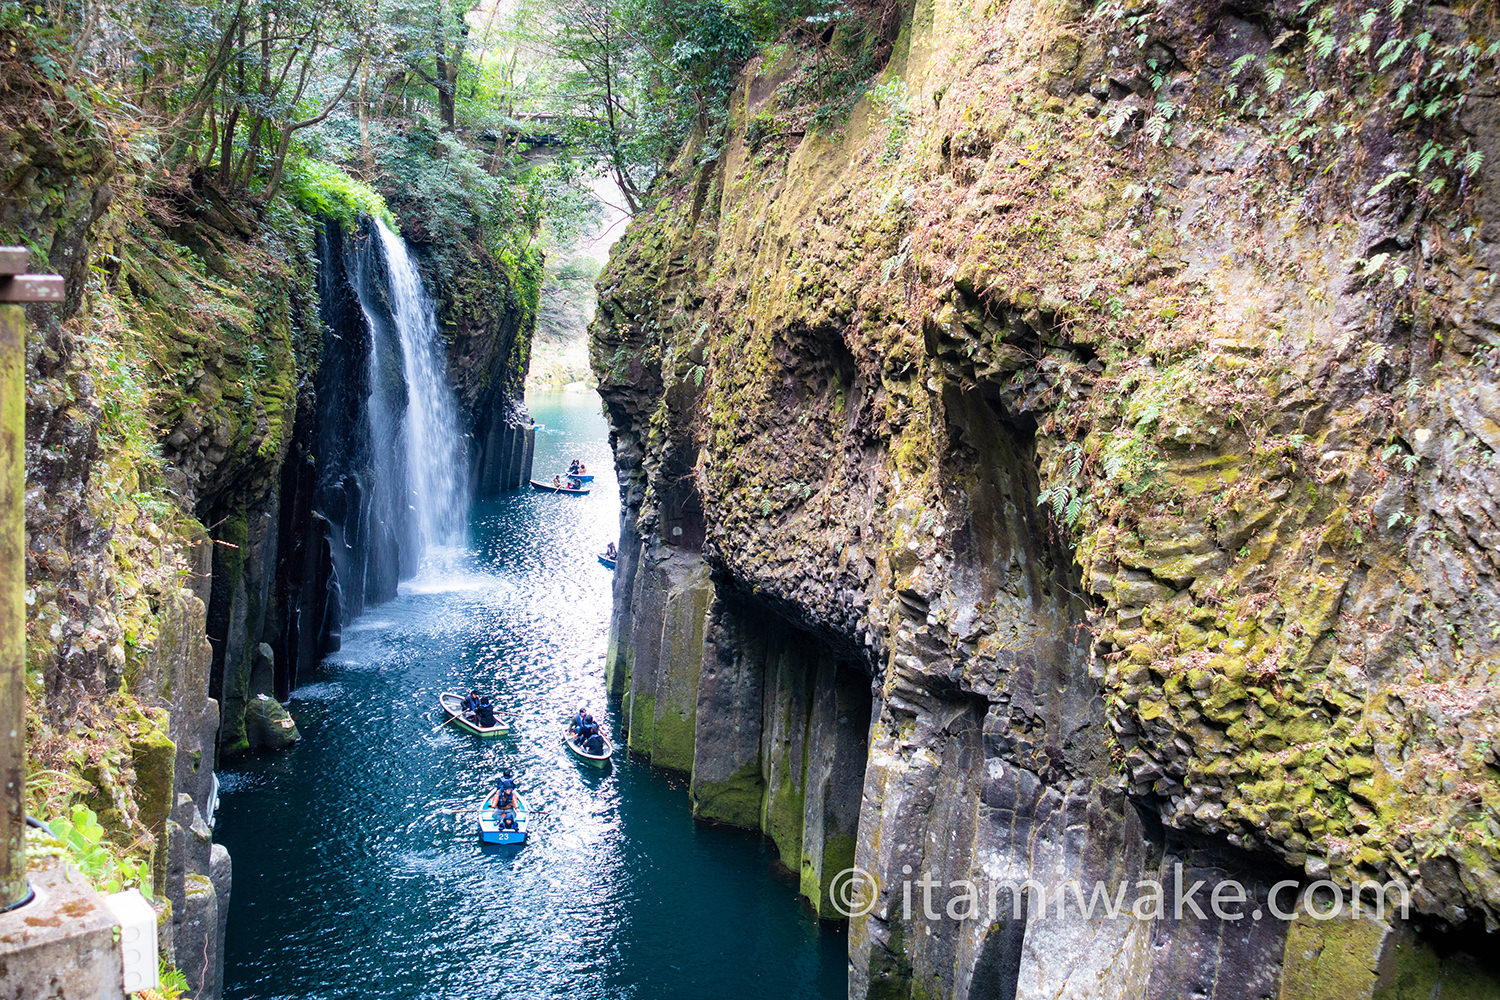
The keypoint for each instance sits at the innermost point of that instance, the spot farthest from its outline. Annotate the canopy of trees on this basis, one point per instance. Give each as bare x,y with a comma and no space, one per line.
487,115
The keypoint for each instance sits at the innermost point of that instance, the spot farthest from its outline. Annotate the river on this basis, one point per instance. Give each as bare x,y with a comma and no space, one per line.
350,881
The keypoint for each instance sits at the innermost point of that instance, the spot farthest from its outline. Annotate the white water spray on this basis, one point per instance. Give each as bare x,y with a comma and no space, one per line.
436,454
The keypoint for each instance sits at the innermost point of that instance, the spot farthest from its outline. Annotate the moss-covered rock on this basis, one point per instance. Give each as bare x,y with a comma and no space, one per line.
269,726
1070,385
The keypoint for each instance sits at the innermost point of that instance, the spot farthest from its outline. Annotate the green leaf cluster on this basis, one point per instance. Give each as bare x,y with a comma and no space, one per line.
82,841
326,190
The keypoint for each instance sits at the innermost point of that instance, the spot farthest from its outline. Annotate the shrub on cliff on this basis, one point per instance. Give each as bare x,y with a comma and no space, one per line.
325,190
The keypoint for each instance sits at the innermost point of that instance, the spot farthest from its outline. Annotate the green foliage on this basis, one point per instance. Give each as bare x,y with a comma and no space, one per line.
893,98
173,984
81,839
324,189
640,76
1405,60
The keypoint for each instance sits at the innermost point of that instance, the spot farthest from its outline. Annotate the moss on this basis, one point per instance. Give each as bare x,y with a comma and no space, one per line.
735,800
1330,959
783,814
153,756
641,725
197,886
1413,970
672,740
818,874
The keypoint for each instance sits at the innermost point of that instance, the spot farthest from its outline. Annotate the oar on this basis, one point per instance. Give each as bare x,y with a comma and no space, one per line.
474,809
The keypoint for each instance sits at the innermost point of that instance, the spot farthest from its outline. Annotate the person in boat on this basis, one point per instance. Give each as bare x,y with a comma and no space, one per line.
610,552
575,724
504,795
484,712
583,470
507,820
557,482
587,728
573,469
471,703
595,743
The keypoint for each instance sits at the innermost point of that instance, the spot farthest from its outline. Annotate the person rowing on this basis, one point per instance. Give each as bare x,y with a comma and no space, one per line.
471,702
504,795
587,728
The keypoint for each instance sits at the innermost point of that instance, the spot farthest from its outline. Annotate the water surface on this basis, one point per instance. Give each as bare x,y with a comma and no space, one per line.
350,881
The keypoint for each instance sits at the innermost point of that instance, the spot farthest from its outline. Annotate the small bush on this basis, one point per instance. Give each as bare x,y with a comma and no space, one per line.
325,190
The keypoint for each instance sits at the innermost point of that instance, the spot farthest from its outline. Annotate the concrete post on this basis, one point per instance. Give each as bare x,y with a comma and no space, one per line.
13,887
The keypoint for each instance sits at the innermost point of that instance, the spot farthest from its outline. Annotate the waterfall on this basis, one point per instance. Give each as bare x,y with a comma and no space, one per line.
434,455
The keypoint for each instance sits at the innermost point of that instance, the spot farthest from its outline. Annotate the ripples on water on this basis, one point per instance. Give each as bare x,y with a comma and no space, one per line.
350,880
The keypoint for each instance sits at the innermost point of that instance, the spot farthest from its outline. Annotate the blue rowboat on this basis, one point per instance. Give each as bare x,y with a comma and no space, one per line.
580,479
489,823
606,561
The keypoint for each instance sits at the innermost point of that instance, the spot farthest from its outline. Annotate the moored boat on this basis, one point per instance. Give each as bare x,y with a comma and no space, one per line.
549,488
489,823
600,759
453,707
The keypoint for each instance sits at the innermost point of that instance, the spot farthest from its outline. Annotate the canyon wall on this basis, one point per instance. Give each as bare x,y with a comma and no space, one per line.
197,452
1098,402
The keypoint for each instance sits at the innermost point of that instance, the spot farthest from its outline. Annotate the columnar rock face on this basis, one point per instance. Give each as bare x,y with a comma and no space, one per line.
1108,392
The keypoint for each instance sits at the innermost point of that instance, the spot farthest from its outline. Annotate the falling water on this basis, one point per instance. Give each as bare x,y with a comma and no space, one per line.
435,453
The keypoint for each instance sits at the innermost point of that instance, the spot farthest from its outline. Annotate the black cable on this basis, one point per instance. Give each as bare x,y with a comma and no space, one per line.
30,893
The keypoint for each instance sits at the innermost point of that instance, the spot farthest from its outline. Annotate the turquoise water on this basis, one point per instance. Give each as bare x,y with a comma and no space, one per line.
350,880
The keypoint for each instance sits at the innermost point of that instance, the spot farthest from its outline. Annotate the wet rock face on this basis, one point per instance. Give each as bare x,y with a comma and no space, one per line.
1135,447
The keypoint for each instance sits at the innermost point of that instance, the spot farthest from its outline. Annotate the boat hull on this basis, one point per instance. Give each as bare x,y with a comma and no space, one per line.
489,824
549,488
601,760
582,479
452,706
606,562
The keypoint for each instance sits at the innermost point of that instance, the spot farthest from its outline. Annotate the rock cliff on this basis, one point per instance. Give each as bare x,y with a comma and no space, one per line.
1099,405
183,515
